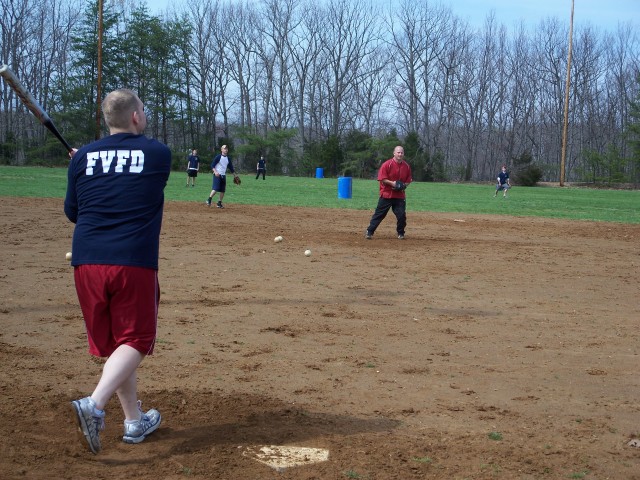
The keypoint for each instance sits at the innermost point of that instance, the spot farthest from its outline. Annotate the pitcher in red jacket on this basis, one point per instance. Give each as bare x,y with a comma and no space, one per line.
394,176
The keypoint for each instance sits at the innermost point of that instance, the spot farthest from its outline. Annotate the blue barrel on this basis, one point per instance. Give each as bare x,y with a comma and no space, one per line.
344,187
319,172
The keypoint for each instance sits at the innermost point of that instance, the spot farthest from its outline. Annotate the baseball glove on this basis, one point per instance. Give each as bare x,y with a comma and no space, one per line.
400,185
237,180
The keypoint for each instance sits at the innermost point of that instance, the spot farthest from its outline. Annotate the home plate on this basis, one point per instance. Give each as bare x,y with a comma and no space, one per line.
281,457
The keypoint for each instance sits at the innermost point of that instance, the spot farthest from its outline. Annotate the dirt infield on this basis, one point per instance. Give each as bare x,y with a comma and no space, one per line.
479,347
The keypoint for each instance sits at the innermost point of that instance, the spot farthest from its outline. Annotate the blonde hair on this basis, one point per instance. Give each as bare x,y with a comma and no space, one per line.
118,106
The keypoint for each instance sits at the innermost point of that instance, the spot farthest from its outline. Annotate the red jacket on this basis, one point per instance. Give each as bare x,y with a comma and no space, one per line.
392,170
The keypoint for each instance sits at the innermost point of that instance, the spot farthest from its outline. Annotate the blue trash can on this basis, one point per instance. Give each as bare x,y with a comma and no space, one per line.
344,187
319,172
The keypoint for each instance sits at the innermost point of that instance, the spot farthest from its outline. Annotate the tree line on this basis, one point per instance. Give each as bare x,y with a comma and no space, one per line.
333,84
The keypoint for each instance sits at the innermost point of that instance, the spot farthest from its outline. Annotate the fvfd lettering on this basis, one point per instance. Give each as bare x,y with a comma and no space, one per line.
133,159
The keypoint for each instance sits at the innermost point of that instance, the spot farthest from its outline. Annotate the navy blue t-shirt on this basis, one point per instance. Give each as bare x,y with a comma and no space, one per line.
503,177
115,196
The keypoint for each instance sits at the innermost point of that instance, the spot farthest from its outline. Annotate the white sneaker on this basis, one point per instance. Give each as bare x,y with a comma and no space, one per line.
136,432
90,421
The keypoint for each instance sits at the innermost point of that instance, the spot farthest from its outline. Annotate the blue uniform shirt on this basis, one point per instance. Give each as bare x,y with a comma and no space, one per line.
193,162
115,196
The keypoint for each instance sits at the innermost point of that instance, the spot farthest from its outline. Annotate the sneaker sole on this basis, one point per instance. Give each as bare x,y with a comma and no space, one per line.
82,426
141,438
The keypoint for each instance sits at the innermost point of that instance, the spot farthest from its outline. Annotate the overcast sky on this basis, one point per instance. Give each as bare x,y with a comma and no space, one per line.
605,14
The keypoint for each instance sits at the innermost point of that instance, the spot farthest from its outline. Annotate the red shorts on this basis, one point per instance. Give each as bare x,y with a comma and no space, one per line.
119,305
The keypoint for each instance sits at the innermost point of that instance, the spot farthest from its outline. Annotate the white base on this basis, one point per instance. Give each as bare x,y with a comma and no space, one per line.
281,457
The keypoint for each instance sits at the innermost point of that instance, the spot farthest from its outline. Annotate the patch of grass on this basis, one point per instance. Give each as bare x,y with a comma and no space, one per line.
351,474
579,474
422,459
495,436
493,466
33,182
566,203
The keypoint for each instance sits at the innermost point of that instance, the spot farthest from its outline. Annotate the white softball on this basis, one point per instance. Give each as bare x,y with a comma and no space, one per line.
278,239
68,256
307,253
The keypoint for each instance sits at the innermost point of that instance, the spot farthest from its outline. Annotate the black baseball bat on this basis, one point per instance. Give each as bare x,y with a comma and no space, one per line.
31,103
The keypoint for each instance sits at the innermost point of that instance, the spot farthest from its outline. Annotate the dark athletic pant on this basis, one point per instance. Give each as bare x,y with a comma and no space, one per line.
397,205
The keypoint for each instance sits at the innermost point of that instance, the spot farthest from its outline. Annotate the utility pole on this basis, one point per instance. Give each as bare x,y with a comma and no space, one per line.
565,128
99,82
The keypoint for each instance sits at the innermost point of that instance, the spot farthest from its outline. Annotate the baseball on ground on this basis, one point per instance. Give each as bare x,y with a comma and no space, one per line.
307,253
278,239
68,256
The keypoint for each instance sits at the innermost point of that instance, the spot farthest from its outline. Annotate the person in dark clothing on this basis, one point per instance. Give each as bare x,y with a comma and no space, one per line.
503,182
193,165
261,168
115,197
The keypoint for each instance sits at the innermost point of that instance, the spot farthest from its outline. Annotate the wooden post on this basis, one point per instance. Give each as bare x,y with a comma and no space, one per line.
99,80
565,128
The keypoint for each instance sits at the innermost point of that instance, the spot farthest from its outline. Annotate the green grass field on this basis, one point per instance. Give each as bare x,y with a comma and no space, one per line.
551,202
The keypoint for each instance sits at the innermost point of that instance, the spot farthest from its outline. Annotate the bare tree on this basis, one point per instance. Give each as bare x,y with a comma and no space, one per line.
429,46
35,39
241,27
550,59
305,47
274,52
619,79
350,36
520,104
405,39
15,18
209,65
372,91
